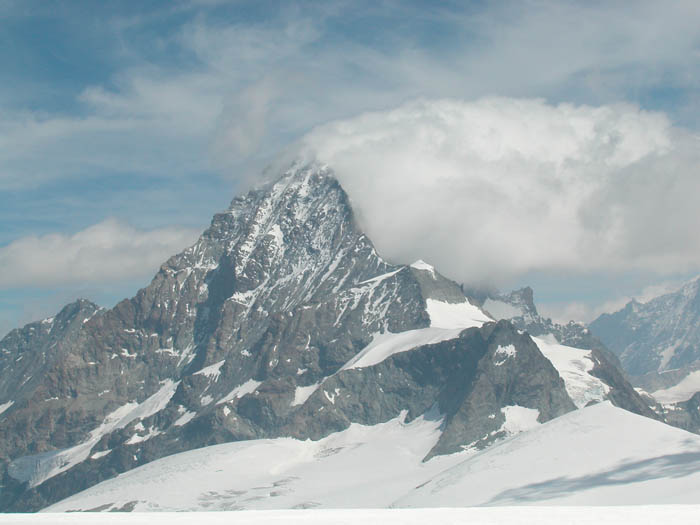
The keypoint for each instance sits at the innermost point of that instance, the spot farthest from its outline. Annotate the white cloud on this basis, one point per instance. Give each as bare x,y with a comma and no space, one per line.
105,252
231,92
493,189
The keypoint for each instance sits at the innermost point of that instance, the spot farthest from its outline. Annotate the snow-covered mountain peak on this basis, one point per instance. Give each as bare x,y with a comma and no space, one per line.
281,320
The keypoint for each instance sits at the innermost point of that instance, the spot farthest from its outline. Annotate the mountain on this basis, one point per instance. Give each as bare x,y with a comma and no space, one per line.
658,342
574,459
280,321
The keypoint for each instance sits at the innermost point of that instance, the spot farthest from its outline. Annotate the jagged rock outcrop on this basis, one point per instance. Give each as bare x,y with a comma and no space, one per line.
520,309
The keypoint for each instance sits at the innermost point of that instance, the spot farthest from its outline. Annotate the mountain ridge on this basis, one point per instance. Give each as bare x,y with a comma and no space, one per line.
658,342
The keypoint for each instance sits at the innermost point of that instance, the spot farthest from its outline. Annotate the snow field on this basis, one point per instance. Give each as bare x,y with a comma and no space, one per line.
598,455
617,515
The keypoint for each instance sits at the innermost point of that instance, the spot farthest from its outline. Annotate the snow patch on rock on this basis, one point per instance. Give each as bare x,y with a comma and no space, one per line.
302,393
5,406
385,345
574,365
248,387
519,419
212,371
184,418
37,469
503,353
455,315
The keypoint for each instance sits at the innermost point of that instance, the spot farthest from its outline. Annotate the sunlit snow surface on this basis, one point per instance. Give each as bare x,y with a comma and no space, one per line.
599,455
447,320
248,387
5,406
362,466
388,344
573,365
680,392
620,515
455,315
519,419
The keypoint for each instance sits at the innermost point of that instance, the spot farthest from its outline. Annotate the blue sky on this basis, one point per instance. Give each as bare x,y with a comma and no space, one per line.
121,122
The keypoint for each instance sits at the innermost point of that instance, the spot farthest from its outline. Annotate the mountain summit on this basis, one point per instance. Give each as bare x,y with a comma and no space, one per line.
281,320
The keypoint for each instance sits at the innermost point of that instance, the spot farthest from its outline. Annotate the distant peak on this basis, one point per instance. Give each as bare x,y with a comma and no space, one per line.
298,178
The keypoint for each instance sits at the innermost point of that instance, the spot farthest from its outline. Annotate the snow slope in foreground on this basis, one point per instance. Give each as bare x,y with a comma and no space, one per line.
675,514
599,455
361,466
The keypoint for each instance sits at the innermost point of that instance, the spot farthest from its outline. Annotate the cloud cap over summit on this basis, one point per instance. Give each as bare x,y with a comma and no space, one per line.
499,187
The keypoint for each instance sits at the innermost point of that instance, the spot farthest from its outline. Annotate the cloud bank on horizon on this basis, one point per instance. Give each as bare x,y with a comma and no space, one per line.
500,187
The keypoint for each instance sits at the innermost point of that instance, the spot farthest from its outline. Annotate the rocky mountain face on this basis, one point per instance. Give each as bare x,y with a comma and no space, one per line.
658,342
36,361
281,320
